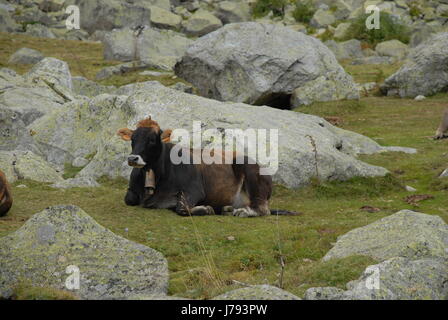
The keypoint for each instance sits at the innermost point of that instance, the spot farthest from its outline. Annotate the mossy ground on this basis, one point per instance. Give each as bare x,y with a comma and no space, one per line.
204,260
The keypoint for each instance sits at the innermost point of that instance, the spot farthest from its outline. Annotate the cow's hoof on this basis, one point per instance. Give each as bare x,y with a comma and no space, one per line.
245,213
227,211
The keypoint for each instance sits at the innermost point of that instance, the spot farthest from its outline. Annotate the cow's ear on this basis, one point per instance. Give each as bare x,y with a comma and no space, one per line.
166,135
125,134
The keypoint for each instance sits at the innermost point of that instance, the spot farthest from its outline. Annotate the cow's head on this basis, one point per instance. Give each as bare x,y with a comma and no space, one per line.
146,143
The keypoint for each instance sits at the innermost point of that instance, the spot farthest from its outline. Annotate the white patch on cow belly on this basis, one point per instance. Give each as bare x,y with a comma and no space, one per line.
241,199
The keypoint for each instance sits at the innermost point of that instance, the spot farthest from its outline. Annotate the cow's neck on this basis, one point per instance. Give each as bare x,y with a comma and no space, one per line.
158,166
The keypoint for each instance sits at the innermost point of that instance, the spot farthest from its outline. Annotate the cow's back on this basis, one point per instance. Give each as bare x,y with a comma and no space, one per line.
5,195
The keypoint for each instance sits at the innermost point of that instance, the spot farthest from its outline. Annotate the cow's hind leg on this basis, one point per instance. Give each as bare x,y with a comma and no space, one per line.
183,207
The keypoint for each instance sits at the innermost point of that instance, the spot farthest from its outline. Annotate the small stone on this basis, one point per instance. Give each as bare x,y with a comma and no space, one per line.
420,98
231,238
444,174
22,186
410,189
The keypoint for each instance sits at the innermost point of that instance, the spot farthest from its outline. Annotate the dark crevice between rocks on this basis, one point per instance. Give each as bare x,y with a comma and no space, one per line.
276,100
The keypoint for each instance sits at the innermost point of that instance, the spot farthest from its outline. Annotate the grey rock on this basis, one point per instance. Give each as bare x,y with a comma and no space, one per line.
13,132
324,293
85,87
80,182
19,165
406,234
25,56
180,86
110,267
201,23
394,279
156,48
444,174
39,31
350,49
392,48
421,74
233,11
80,162
53,71
7,23
261,74
111,14
322,18
257,292
165,19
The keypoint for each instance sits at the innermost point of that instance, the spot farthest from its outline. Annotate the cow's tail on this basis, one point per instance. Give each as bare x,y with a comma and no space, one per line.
280,212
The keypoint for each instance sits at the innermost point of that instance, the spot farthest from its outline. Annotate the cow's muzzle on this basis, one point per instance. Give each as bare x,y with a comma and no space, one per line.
136,161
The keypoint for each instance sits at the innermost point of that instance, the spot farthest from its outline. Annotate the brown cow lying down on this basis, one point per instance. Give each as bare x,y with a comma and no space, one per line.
443,128
193,189
5,195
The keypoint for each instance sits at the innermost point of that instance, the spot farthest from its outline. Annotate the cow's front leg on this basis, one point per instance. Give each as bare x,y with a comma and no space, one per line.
183,207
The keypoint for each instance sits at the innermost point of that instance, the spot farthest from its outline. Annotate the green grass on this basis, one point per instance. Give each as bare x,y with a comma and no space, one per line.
389,30
303,12
203,262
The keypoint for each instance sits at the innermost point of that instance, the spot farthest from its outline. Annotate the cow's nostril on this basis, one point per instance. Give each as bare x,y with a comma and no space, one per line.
132,159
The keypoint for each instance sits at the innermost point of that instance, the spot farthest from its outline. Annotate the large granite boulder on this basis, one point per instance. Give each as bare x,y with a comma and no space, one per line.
422,73
404,234
89,127
47,86
153,47
257,292
394,279
241,62
55,242
111,14
19,165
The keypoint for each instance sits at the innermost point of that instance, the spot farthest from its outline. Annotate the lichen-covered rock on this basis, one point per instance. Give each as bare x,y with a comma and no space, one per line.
80,182
233,11
422,73
350,49
394,279
392,48
76,129
26,165
257,292
110,267
164,19
7,23
242,62
88,88
153,47
324,293
53,71
39,31
113,14
25,56
404,234
201,23
13,132
402,279
322,18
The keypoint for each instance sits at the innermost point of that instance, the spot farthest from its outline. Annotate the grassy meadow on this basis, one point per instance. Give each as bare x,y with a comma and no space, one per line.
210,255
